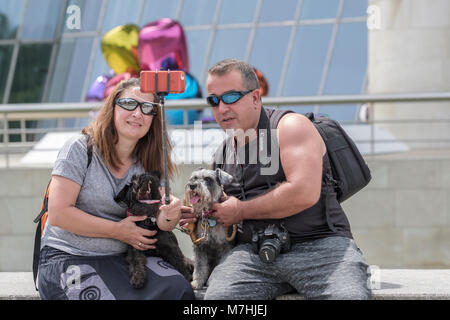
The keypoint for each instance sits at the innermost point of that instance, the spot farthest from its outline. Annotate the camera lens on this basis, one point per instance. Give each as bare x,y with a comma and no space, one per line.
269,250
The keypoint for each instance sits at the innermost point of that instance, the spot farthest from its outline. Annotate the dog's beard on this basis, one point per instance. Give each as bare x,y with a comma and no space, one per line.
201,199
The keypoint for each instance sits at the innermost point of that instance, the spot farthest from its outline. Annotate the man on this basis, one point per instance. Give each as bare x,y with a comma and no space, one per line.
320,260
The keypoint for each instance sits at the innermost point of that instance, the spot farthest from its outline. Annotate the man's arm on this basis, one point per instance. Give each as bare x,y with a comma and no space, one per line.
301,153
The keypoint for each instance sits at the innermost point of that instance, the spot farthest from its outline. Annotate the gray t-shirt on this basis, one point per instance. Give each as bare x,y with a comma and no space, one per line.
98,189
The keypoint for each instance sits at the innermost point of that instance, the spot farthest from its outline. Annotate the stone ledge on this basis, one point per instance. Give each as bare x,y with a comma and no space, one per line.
387,284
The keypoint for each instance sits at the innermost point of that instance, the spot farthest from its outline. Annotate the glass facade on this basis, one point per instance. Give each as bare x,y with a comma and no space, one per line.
303,47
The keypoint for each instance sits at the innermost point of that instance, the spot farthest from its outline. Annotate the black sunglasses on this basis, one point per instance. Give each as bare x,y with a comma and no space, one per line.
228,97
147,108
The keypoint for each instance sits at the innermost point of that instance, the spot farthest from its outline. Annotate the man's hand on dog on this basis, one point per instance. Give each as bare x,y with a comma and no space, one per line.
135,236
227,212
187,216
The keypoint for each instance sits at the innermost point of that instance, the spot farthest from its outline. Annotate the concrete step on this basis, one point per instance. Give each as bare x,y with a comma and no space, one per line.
387,284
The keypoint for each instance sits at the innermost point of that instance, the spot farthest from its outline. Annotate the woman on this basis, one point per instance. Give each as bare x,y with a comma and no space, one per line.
87,232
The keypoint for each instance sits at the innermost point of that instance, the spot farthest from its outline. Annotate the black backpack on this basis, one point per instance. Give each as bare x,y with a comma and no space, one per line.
349,171
41,219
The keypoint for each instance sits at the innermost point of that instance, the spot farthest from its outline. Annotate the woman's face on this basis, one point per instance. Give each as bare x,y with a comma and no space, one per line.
133,125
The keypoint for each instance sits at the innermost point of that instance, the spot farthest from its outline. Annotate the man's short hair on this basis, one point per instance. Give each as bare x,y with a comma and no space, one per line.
249,77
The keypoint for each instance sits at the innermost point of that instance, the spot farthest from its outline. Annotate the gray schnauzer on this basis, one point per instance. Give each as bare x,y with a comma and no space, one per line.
142,197
211,239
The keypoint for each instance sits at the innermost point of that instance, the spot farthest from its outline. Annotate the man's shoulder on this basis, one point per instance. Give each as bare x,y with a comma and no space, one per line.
297,129
294,121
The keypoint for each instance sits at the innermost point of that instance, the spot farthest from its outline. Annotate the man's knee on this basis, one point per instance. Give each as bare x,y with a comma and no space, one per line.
359,293
345,292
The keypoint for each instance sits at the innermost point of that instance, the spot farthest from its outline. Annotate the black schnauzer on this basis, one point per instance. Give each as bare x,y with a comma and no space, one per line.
142,197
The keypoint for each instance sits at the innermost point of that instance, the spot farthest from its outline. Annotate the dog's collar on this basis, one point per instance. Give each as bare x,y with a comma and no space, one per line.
152,219
207,214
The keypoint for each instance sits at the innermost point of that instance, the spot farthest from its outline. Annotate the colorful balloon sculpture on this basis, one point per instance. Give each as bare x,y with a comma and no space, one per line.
159,45
176,116
263,84
119,47
111,84
162,43
97,90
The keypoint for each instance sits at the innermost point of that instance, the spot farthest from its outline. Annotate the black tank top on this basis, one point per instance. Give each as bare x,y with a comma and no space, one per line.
323,219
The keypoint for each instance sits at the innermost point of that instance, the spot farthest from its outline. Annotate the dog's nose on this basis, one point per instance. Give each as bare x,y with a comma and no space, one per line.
192,186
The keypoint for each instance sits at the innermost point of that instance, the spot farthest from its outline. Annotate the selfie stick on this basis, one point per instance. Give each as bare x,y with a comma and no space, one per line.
161,95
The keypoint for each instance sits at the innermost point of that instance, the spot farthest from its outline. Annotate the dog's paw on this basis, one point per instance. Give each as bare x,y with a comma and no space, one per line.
197,284
137,282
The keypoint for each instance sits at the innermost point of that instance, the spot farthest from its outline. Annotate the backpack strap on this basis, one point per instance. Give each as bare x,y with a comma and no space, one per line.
42,216
328,179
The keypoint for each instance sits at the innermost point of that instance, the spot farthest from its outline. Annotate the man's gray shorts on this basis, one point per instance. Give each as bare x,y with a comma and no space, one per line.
328,268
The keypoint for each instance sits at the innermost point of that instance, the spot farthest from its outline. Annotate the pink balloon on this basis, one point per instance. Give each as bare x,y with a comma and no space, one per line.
111,84
162,43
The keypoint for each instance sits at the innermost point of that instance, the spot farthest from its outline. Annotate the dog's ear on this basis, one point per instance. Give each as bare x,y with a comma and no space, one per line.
134,184
224,177
156,173
135,179
122,197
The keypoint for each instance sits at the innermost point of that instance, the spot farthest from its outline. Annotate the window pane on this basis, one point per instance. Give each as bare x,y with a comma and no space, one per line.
118,13
10,14
31,73
340,112
5,58
70,71
354,8
157,9
41,19
302,109
100,67
198,12
237,11
89,11
197,41
269,59
230,43
319,9
349,61
307,60
271,10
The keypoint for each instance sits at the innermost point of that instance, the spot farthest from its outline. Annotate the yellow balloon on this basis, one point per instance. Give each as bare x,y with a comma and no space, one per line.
119,47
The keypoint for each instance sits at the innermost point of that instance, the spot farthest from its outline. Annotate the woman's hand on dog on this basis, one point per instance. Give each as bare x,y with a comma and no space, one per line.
130,233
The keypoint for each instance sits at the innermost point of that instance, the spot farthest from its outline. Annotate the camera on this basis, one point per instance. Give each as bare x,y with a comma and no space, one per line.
270,242
163,81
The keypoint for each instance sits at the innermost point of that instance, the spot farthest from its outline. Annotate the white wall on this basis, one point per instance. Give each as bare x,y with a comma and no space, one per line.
408,53
402,219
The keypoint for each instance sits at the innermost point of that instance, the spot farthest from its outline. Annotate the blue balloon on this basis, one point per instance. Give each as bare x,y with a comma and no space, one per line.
192,90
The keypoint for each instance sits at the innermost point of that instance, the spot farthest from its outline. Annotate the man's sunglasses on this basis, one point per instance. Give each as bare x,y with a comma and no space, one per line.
147,108
228,97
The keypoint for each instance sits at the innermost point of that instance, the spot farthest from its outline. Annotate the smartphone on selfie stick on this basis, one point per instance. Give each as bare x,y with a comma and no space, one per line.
162,83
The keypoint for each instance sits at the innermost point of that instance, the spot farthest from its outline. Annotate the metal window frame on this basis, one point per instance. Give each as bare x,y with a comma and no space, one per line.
253,26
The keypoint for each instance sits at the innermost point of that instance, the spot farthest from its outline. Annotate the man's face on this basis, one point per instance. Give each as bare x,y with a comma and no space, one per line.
244,113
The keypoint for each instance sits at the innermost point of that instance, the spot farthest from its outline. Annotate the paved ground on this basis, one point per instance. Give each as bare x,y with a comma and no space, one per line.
395,284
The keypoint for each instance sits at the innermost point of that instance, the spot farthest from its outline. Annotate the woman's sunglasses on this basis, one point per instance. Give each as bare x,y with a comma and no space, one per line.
228,97
147,108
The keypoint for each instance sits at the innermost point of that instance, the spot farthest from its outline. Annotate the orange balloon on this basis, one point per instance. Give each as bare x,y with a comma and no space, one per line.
263,84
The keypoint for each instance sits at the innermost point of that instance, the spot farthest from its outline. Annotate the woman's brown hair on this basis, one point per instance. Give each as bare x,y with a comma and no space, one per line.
148,150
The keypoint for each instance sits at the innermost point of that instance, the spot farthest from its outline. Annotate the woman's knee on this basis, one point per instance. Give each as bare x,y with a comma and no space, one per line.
181,288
